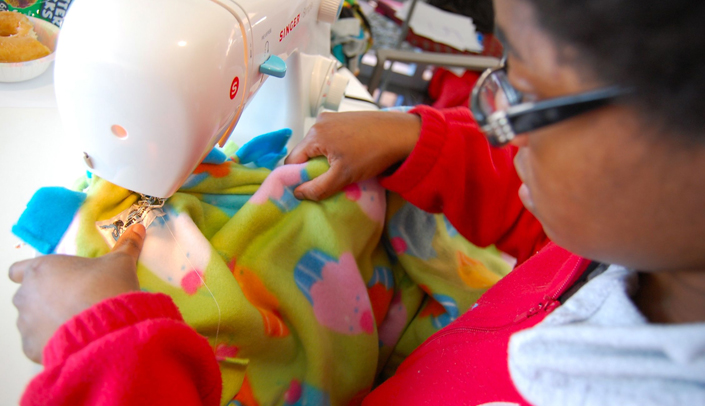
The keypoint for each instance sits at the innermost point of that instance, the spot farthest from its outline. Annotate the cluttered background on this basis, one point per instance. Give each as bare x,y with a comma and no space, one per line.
404,52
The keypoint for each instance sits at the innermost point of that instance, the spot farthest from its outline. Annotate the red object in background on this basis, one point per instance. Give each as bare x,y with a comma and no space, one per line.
446,88
387,8
450,90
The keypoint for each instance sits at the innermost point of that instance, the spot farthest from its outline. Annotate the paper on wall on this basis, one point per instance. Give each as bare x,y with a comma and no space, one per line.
454,30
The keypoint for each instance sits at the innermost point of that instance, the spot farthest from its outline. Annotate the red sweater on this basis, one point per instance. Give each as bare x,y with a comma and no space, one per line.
135,349
454,170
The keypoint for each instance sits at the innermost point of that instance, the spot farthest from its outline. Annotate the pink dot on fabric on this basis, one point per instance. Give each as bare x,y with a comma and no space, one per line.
353,192
293,394
399,245
367,322
192,281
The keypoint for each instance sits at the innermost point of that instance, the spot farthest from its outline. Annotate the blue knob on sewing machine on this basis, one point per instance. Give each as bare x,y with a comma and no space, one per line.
274,66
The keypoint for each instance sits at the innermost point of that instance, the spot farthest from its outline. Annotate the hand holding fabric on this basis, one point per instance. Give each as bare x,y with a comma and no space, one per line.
54,288
358,146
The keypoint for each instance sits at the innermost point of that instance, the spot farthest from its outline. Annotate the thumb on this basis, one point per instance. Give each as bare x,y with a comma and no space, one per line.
323,186
300,154
131,242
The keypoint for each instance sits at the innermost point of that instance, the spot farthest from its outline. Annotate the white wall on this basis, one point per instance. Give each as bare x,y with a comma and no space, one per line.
33,154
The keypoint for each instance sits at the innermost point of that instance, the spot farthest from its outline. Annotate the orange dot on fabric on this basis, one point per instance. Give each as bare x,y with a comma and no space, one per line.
433,308
273,324
380,298
245,396
262,299
214,170
474,273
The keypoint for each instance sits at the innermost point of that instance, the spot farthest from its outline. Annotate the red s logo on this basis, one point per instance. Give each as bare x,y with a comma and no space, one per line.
234,87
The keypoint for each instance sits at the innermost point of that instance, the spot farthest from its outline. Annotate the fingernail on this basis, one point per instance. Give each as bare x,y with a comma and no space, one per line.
140,230
299,195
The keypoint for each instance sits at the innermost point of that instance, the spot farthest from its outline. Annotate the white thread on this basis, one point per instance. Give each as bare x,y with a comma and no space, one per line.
217,330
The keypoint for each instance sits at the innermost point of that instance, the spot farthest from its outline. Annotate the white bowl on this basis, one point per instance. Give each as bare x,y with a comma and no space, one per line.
47,34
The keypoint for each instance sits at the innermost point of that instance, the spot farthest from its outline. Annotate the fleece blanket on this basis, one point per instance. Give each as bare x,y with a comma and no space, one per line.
306,303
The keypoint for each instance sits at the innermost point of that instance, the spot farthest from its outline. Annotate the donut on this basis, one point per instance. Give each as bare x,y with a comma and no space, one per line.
12,23
21,3
18,41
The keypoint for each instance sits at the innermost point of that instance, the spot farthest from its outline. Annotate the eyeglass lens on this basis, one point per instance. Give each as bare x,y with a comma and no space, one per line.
496,94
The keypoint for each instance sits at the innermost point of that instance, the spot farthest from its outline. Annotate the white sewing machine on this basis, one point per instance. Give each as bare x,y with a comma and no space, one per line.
167,79
37,147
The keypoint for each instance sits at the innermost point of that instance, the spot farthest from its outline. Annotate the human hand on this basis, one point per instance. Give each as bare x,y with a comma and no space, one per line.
54,288
358,146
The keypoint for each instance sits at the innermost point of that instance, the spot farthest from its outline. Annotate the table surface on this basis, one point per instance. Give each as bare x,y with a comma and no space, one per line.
35,153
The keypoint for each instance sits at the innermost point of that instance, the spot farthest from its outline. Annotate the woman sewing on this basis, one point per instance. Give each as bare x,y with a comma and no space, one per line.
601,103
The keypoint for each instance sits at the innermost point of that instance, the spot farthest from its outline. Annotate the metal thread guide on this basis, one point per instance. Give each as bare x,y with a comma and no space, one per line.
144,211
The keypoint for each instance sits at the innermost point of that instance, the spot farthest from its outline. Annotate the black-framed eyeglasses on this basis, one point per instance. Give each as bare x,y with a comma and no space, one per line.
503,112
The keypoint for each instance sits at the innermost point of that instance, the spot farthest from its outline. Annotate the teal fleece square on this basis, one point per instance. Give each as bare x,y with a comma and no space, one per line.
47,217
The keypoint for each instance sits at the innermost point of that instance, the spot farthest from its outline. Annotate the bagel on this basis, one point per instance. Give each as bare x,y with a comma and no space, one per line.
18,41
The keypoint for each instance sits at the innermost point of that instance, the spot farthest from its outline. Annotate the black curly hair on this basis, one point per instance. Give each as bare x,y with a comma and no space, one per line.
655,47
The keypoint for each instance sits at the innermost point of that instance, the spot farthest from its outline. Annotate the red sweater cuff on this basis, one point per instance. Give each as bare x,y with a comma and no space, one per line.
105,317
424,155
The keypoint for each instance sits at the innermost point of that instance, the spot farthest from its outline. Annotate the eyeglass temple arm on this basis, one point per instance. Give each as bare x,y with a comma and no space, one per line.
530,116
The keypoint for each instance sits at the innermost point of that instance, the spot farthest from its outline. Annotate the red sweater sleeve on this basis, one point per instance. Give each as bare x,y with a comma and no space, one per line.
134,349
454,170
